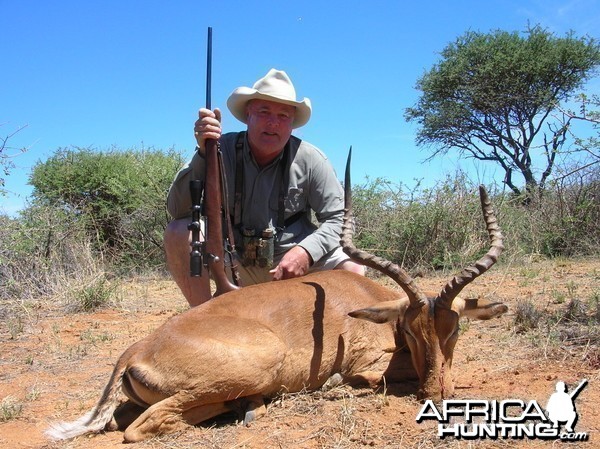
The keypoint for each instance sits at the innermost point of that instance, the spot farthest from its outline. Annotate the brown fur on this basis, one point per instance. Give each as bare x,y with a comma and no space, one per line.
257,342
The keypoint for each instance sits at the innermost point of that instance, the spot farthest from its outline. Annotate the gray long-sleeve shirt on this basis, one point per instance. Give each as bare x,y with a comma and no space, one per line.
312,185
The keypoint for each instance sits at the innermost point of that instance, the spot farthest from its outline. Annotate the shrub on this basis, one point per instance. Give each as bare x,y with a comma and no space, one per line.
527,317
95,213
117,196
10,408
91,212
442,227
438,228
95,294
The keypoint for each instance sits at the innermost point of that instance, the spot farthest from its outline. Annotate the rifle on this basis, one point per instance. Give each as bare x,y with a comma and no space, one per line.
209,203
577,390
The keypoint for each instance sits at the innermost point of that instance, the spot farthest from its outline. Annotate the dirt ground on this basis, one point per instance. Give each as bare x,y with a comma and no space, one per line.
54,365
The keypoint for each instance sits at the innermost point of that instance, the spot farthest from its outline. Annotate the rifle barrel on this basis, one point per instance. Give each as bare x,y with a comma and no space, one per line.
208,67
577,390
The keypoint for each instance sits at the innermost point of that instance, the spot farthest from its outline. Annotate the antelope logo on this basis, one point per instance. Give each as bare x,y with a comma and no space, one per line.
561,406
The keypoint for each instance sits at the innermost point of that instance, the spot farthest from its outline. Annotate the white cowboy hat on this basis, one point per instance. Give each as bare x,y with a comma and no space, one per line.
275,86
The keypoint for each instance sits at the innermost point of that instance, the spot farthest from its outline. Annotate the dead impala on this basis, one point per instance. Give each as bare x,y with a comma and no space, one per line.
291,335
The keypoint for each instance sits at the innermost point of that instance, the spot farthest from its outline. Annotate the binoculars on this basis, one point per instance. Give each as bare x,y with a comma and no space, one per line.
258,247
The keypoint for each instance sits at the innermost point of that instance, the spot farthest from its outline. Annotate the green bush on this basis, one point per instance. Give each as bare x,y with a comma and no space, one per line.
91,213
95,294
38,250
118,196
438,228
94,213
443,227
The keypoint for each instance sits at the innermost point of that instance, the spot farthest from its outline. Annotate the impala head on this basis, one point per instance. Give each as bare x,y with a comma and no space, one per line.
428,321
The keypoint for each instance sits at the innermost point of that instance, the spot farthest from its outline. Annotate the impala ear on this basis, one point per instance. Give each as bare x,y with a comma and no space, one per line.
383,312
479,308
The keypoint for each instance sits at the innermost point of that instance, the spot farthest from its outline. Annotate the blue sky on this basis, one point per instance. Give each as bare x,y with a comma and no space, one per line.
131,74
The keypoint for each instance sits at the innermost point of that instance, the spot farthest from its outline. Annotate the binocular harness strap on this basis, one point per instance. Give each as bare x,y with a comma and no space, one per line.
283,186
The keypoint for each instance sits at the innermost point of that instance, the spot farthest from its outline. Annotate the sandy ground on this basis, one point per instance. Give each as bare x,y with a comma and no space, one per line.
54,366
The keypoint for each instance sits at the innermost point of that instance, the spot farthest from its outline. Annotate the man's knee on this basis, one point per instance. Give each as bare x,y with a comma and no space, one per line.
350,265
337,260
176,234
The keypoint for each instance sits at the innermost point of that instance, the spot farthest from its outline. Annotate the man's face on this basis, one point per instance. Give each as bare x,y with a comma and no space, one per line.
269,128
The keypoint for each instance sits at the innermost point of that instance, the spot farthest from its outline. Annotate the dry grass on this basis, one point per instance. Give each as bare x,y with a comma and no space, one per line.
55,367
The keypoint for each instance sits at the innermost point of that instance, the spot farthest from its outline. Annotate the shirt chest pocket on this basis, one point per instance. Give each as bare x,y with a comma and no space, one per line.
295,201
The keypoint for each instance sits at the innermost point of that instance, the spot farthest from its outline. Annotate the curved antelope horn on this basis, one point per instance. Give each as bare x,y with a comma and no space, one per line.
416,296
454,286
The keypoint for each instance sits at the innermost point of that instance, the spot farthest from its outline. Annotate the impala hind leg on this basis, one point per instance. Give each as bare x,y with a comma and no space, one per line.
170,415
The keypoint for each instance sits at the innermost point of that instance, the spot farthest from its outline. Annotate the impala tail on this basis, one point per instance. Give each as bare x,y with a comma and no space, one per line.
96,419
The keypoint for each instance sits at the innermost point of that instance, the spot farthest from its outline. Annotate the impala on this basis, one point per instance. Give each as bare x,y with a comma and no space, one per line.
250,344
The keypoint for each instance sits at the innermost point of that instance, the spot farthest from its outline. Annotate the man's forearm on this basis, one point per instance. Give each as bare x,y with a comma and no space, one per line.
325,238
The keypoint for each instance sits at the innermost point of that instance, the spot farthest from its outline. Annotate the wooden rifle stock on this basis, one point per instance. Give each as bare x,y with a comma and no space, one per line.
215,211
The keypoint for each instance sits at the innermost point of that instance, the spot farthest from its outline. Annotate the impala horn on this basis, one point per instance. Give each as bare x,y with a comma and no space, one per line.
466,276
416,296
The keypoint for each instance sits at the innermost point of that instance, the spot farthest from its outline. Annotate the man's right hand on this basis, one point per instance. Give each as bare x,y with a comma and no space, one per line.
208,126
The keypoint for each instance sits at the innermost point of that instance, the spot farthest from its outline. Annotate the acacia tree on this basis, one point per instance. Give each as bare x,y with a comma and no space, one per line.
496,97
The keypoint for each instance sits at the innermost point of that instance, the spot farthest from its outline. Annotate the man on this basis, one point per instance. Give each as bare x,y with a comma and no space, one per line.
561,407
281,179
